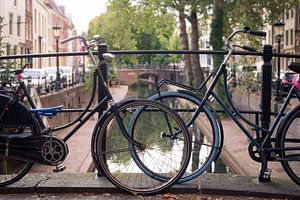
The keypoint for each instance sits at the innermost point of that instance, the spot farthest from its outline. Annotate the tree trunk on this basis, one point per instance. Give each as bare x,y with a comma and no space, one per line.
216,39
197,71
185,46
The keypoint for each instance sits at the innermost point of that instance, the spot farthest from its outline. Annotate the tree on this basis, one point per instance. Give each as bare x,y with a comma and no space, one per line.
2,44
228,15
134,26
5,76
216,37
185,46
115,28
190,10
255,13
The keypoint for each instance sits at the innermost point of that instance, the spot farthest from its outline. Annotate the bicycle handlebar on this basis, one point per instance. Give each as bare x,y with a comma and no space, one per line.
19,71
258,33
246,30
74,38
231,46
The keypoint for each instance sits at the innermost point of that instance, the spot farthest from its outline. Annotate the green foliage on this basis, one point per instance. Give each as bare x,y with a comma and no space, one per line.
255,13
216,41
5,75
2,44
142,25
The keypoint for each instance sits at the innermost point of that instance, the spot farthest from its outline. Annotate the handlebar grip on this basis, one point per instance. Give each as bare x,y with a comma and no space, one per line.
258,33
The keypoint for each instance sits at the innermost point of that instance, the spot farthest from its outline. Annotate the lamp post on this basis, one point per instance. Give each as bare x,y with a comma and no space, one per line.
56,34
278,29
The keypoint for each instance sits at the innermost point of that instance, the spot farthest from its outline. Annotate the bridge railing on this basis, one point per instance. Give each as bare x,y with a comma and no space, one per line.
267,54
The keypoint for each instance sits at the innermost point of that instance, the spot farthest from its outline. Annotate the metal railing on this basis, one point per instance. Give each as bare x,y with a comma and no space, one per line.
267,54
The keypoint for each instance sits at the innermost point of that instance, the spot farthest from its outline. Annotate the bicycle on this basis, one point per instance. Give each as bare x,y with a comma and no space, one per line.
112,144
194,107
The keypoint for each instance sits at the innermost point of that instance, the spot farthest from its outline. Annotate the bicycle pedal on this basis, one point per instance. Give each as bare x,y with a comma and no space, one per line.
267,174
59,168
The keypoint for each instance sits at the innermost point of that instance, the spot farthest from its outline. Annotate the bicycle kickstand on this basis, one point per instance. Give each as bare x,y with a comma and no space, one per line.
58,167
265,172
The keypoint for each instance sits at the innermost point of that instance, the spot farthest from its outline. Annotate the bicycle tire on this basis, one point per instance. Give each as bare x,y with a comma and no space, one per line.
11,169
112,154
288,137
185,104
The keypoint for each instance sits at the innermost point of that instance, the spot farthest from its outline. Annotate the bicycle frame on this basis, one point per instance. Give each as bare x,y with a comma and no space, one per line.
86,114
231,110
234,114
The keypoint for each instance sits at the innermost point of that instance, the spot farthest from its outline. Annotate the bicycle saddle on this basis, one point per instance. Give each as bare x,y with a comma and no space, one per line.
51,111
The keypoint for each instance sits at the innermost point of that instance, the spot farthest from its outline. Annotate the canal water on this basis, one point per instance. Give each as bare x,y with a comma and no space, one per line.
143,91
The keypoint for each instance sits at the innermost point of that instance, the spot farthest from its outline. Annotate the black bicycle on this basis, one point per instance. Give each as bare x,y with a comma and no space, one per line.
24,138
281,142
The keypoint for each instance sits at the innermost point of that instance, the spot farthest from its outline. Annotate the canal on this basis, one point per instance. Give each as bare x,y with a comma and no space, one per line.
145,90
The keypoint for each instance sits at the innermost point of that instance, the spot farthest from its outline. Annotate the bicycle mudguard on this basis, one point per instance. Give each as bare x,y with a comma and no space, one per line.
17,115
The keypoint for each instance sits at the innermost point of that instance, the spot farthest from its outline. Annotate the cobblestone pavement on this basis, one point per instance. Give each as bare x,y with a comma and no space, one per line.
108,196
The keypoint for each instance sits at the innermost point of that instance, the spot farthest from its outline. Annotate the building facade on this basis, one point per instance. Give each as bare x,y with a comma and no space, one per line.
29,30
14,29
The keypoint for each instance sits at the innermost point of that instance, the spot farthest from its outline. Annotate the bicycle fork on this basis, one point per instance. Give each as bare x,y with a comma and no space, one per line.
121,125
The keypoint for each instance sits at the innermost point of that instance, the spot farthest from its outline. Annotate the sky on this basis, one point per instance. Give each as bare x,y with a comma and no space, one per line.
83,11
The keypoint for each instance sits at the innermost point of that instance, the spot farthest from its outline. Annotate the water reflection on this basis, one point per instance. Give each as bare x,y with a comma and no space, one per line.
201,145
141,89
160,156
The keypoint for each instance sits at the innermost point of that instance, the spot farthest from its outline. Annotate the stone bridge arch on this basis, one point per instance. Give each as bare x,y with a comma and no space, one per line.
128,76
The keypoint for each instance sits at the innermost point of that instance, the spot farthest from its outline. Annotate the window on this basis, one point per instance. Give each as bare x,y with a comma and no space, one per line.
287,15
11,16
35,21
286,38
8,49
292,13
19,25
15,2
291,37
15,51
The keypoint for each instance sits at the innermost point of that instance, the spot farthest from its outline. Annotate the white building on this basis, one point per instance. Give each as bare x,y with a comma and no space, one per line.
29,30
14,29
40,32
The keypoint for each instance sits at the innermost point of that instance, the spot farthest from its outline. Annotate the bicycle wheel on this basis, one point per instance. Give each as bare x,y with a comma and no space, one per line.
162,155
205,130
288,138
17,122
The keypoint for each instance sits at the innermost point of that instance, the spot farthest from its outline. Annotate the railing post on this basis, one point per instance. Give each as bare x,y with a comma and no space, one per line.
102,48
266,80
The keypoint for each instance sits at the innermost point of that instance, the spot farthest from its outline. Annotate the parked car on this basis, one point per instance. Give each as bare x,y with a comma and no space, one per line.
286,81
37,78
68,75
52,73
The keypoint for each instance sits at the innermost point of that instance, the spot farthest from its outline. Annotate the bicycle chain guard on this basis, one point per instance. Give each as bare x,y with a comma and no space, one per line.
43,149
54,151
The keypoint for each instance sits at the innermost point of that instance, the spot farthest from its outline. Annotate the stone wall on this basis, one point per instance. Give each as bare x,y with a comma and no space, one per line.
71,98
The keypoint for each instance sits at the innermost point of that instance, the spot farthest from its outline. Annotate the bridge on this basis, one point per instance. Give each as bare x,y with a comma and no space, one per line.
128,76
